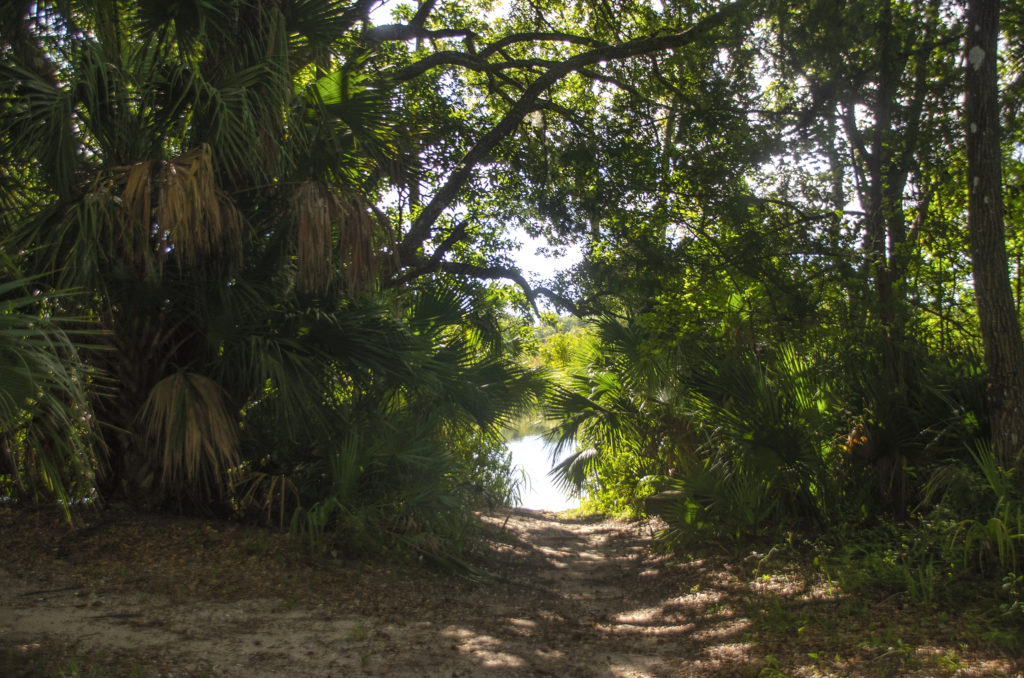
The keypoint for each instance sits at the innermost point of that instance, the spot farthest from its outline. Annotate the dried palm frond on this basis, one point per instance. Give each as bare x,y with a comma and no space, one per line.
136,215
315,207
356,240
194,218
387,255
200,220
138,193
265,492
186,417
323,212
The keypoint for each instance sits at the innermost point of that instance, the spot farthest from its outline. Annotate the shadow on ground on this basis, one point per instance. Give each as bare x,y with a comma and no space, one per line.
151,596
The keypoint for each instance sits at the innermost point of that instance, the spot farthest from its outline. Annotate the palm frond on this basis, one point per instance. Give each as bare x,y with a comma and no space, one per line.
194,435
436,309
596,419
200,220
314,27
572,473
36,126
323,214
45,413
237,123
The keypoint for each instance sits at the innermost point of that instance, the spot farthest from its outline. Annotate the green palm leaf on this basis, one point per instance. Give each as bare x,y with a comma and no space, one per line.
46,427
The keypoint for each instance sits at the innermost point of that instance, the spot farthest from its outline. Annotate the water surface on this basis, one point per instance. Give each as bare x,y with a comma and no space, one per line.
534,457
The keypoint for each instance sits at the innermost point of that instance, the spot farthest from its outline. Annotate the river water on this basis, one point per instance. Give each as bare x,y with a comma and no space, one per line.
533,456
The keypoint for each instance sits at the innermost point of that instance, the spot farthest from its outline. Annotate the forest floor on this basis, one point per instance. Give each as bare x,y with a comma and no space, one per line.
140,595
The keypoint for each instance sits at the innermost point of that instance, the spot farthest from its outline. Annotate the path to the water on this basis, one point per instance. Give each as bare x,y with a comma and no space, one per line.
152,596
580,598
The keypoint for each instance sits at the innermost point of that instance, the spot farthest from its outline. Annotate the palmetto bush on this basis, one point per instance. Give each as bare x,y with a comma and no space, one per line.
49,446
769,457
772,440
617,407
412,453
749,442
977,512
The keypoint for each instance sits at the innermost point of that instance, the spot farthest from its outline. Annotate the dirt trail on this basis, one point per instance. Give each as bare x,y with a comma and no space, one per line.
579,598
152,596
602,604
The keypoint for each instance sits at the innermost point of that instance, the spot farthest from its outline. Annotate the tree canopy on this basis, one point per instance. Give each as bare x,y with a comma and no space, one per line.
258,257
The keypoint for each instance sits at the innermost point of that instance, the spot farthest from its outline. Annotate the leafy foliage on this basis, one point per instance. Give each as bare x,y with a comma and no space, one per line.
283,225
209,176
48,441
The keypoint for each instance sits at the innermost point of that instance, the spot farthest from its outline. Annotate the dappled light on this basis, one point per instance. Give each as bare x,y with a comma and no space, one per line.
282,394
569,597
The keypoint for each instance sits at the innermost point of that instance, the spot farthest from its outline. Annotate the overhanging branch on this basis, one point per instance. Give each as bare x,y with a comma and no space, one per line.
420,230
498,272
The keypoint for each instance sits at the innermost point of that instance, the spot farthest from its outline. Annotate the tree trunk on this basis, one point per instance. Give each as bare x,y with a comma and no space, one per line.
1000,330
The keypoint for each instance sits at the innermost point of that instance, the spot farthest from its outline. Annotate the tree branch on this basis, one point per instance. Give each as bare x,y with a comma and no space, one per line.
419,231
611,80
497,272
436,60
536,36
404,32
423,266
420,19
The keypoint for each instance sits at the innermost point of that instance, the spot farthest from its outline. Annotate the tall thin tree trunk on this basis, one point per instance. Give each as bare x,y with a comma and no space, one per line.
1000,330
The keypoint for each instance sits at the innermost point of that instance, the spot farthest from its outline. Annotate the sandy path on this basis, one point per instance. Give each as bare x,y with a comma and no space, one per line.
580,598
156,596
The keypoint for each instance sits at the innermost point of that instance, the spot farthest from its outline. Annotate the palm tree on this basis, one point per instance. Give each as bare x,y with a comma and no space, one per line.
199,173
204,174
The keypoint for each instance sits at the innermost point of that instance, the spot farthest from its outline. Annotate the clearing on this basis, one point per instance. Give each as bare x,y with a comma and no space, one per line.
141,595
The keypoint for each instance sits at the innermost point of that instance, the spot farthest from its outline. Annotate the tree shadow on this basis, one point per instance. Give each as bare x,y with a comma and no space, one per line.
634,612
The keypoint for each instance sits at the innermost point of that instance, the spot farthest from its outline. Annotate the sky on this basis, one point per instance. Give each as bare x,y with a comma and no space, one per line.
535,265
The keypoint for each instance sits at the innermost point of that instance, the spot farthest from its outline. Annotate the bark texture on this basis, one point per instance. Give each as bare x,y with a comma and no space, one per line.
1000,329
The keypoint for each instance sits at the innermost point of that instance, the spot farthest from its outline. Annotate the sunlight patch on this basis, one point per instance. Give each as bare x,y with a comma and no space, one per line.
522,627
634,666
661,630
729,651
638,616
484,648
698,600
723,629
